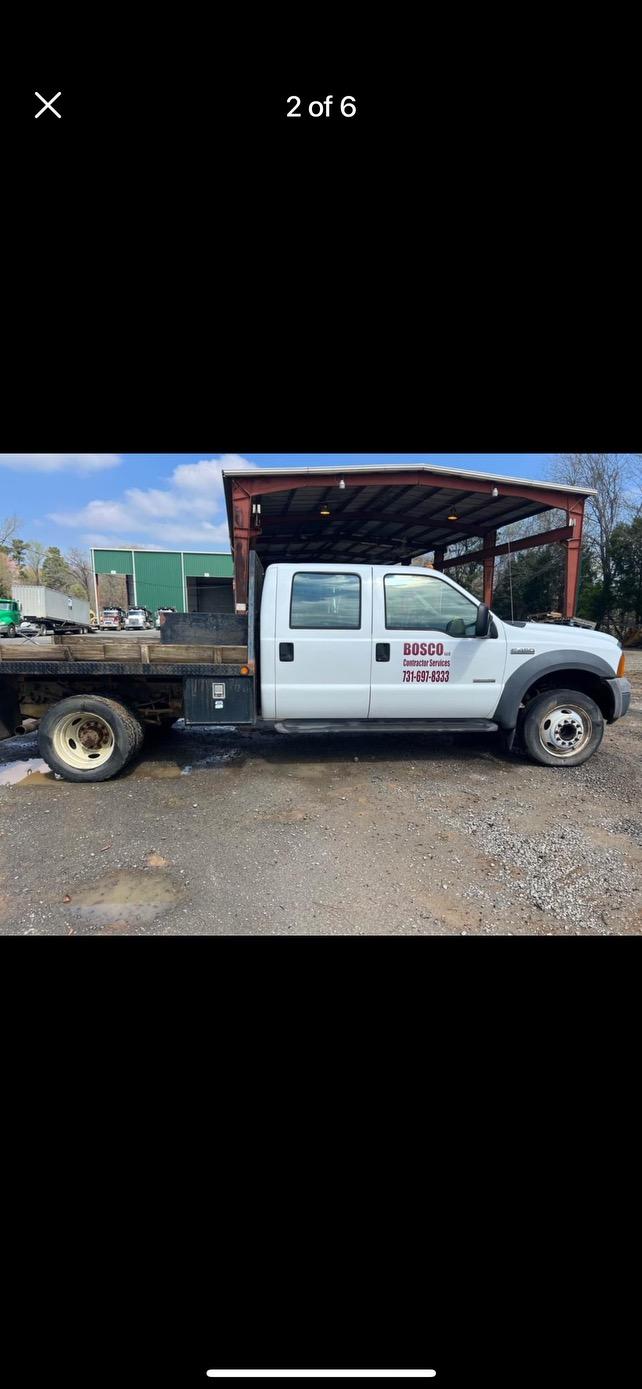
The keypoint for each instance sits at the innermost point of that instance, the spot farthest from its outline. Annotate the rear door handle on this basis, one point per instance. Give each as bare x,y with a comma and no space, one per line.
286,650
382,651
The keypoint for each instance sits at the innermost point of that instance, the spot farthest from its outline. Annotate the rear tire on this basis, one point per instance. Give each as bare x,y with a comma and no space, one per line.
89,737
562,728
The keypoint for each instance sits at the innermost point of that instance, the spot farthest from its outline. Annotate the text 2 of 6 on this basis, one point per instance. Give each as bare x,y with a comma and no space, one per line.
345,106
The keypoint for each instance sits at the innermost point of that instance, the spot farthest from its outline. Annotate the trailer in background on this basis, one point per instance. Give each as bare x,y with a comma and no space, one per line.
46,610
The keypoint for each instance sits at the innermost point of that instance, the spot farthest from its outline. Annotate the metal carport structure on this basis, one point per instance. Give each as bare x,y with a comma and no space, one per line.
390,515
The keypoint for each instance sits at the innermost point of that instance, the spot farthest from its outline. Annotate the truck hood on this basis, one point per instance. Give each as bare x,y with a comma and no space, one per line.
551,635
568,634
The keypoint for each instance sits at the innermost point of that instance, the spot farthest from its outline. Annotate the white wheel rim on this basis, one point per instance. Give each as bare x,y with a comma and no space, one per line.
565,731
83,740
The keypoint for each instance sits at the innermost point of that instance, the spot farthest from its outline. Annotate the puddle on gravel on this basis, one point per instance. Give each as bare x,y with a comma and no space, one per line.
125,898
158,770
31,770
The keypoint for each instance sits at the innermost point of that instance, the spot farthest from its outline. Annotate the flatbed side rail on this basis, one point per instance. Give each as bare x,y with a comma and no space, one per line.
159,671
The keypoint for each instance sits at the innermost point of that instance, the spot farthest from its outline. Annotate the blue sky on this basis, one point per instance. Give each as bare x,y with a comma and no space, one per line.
173,500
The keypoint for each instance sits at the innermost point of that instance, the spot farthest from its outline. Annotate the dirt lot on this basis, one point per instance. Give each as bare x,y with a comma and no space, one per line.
221,833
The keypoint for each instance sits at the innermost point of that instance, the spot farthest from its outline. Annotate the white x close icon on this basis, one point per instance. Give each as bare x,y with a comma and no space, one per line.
48,105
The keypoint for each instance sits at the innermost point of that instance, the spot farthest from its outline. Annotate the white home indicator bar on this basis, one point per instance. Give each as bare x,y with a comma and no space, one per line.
322,1374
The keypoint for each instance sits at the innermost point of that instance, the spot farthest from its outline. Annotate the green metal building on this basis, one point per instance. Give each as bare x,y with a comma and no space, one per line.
186,580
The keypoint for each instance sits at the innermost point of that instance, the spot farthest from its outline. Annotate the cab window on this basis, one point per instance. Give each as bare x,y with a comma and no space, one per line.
416,602
326,601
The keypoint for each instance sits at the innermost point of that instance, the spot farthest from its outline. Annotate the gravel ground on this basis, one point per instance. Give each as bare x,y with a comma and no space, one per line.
223,833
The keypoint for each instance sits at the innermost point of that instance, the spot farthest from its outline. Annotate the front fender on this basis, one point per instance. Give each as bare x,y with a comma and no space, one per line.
548,663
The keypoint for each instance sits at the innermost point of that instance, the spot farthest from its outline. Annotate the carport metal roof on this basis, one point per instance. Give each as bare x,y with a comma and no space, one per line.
381,514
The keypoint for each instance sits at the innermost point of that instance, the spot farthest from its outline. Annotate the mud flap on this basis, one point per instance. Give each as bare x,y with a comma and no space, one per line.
9,711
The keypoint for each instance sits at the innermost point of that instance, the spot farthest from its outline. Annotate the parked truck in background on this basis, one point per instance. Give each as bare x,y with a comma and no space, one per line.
138,618
10,617
160,611
323,648
47,610
113,620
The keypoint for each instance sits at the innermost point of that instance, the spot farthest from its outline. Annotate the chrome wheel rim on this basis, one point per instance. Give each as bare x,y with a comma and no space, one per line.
565,731
83,740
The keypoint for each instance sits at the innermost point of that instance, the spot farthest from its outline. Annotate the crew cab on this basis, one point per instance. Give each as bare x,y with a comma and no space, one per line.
328,647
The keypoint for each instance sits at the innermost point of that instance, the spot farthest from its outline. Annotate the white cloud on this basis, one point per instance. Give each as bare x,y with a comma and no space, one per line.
166,536
60,462
189,511
206,475
113,542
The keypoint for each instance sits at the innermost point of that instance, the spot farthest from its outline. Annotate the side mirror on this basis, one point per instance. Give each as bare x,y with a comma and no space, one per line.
482,625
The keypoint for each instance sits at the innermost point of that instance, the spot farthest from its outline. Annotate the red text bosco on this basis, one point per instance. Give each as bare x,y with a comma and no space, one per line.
423,648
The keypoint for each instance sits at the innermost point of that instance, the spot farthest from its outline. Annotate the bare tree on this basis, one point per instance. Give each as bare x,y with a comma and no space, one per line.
79,564
612,477
8,528
36,554
112,591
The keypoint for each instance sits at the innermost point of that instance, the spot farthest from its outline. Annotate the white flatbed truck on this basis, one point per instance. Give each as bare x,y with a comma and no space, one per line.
326,647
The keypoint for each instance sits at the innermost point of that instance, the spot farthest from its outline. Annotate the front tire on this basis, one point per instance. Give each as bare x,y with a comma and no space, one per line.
89,737
562,728
9,630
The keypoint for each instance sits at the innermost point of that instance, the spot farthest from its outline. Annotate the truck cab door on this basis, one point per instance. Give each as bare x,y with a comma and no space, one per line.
322,641
426,660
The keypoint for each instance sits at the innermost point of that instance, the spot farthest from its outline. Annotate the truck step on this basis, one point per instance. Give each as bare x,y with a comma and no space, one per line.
386,726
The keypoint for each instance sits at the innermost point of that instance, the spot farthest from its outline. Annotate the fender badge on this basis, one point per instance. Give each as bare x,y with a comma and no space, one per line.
522,651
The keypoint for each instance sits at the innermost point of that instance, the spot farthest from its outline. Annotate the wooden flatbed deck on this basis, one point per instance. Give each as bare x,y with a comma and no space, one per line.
125,652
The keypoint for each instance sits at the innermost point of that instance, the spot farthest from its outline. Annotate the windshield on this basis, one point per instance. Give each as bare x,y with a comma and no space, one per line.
7,605
136,612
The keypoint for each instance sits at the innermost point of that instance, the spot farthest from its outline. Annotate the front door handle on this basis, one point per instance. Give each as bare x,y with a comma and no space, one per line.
382,651
286,650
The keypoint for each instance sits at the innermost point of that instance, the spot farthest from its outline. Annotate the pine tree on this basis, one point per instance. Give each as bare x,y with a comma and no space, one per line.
55,571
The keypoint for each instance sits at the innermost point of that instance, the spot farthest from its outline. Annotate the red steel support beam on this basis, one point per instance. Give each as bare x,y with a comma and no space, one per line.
261,487
575,518
244,534
247,490
490,539
543,538
409,521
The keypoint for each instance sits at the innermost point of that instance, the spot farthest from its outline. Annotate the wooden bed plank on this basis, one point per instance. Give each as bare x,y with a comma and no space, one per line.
88,649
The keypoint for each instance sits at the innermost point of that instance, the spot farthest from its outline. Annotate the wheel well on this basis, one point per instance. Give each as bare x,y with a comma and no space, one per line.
584,680
149,700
